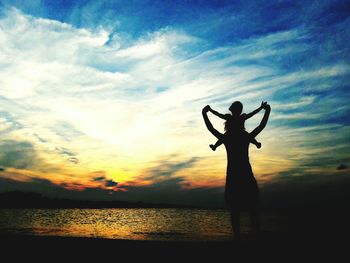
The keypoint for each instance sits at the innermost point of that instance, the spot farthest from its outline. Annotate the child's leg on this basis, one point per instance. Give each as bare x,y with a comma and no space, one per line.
216,145
256,143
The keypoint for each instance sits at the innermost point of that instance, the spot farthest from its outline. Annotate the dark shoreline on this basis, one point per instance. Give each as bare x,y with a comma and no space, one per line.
270,246
32,200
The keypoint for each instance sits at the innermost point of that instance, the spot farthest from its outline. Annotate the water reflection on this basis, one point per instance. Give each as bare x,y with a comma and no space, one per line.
136,224
121,223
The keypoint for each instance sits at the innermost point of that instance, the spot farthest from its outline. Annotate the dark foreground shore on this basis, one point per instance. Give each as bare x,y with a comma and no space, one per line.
268,246
307,238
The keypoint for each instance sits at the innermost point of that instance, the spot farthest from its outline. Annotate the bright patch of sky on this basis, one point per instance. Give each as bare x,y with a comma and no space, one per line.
114,89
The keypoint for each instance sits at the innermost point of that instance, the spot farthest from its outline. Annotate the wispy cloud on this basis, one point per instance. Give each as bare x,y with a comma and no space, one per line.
87,98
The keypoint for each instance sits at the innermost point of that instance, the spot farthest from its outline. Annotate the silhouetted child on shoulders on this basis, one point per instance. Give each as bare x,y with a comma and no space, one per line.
236,120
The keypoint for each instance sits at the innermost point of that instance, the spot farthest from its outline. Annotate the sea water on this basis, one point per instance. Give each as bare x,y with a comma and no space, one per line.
122,223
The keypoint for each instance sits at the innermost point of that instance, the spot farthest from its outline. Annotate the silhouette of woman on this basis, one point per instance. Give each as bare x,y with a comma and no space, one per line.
241,189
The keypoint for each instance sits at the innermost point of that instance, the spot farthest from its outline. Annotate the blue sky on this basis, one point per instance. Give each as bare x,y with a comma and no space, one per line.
80,80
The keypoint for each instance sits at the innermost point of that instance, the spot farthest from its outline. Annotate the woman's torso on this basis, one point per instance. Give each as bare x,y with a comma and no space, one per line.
237,149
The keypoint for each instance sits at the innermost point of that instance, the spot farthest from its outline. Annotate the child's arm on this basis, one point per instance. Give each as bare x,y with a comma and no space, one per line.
220,115
249,115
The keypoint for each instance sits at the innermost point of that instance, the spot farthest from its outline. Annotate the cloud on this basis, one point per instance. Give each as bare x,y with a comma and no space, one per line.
110,183
39,138
199,197
16,154
100,178
40,185
8,123
166,168
66,153
87,97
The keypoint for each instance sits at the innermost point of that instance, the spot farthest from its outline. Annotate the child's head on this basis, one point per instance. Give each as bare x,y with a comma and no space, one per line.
236,108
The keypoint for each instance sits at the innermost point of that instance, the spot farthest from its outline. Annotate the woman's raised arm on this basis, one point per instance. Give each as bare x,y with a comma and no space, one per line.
263,122
208,123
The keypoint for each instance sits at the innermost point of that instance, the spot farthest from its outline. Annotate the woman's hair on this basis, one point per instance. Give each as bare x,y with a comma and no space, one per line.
234,123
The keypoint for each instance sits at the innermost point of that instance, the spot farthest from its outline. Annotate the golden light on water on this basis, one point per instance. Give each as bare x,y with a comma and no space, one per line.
133,224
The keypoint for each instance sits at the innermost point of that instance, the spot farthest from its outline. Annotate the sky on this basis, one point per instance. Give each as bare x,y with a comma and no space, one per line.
102,99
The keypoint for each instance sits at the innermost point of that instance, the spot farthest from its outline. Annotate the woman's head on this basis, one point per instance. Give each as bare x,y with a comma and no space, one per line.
236,108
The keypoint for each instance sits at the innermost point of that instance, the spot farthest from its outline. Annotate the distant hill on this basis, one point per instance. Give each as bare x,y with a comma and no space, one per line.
17,199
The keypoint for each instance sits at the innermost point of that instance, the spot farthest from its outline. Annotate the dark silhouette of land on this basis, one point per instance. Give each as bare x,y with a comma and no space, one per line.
282,248
16,199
